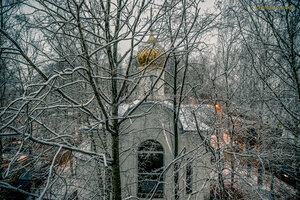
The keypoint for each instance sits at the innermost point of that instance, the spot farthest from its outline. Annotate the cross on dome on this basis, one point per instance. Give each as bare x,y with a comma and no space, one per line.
151,54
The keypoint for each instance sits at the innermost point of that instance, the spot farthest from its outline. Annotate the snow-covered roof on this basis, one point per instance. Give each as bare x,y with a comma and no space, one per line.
204,114
126,106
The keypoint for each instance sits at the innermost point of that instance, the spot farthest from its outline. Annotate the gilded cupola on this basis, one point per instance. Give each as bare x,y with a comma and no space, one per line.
151,54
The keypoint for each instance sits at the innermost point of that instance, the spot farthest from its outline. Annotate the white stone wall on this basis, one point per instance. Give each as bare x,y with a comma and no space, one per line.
149,77
197,155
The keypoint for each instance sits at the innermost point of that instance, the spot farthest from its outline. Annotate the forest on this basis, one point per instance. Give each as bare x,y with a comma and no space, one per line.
150,99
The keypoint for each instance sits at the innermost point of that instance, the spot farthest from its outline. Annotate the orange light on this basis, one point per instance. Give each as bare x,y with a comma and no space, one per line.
22,158
191,98
217,107
5,165
286,176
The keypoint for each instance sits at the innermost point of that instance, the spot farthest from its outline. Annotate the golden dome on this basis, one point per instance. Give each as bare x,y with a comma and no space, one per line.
149,52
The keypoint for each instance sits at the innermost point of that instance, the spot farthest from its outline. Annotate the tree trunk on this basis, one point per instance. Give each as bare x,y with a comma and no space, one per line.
2,104
116,179
175,129
298,166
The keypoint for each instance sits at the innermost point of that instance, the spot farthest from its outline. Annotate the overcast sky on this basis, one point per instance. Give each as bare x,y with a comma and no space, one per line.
207,6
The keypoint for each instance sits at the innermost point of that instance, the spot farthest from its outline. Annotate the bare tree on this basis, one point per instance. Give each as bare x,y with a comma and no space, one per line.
280,59
82,77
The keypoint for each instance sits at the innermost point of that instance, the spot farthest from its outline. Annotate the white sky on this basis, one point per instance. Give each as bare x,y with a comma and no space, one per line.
206,6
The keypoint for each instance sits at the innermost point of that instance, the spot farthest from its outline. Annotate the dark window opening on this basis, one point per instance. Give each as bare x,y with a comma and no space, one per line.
189,178
150,168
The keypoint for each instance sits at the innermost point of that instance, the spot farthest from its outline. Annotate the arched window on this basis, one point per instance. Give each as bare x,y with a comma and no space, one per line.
150,168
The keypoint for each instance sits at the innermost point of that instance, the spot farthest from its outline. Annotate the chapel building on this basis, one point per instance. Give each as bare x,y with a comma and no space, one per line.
147,141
